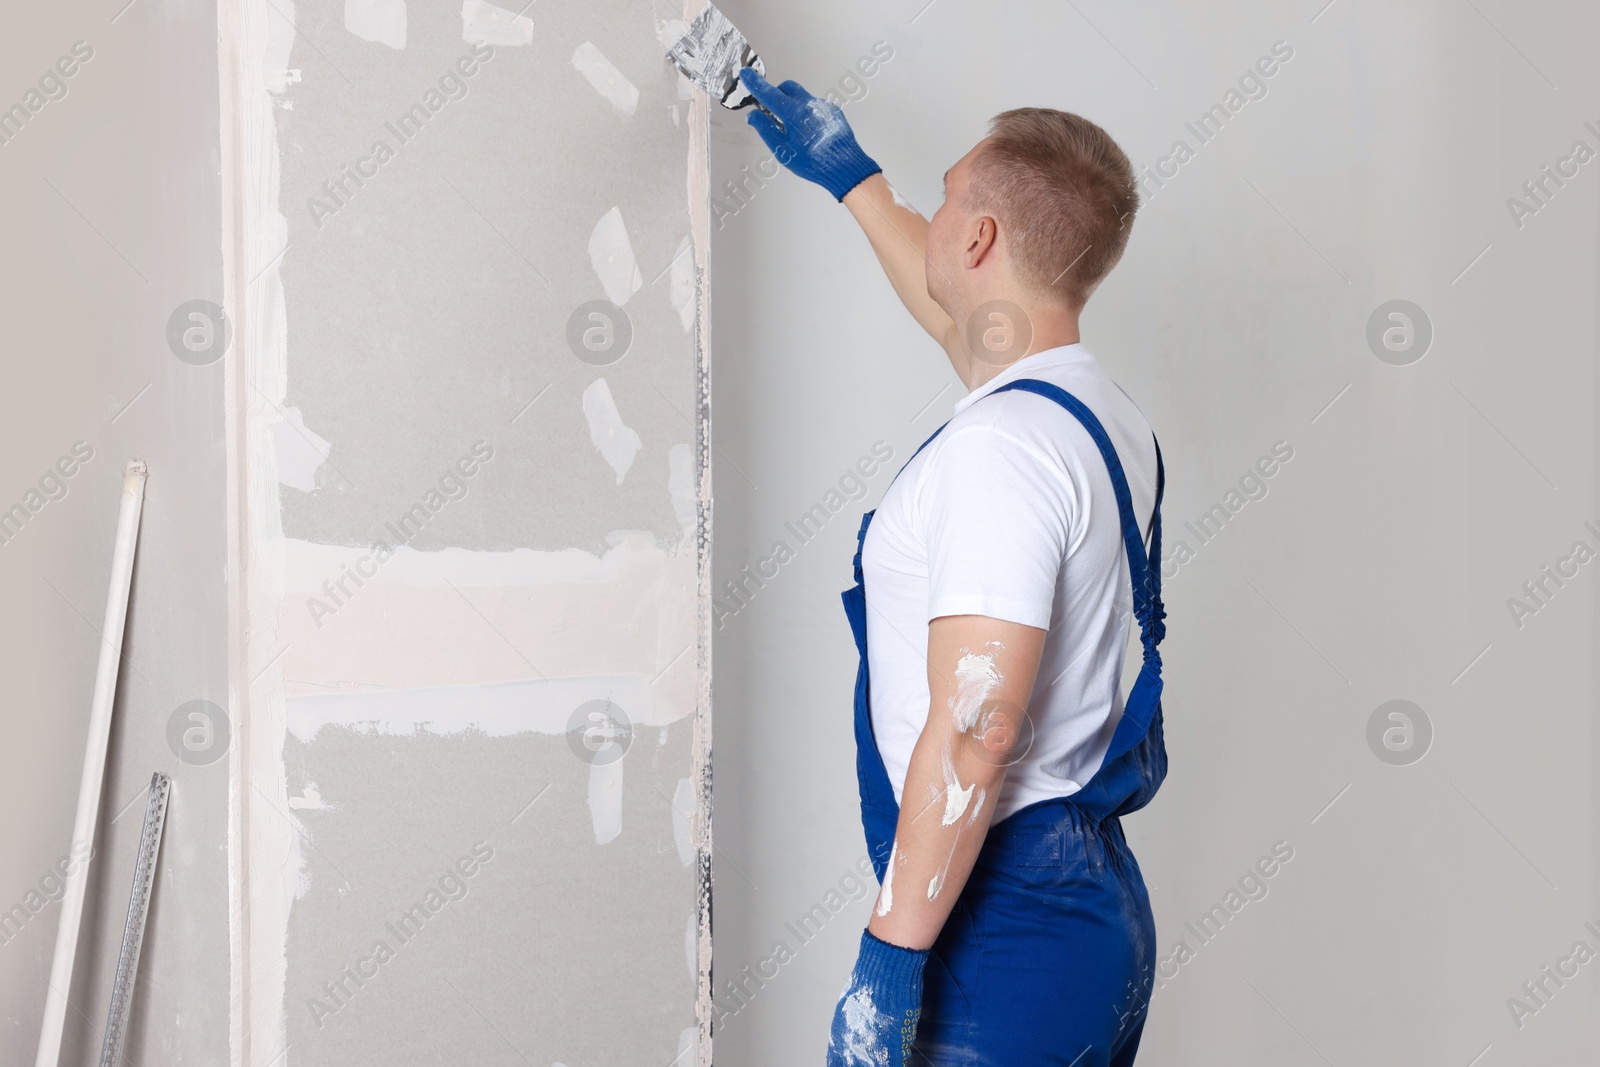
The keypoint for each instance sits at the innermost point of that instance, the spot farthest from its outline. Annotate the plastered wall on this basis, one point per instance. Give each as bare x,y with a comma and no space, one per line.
467,413
1432,872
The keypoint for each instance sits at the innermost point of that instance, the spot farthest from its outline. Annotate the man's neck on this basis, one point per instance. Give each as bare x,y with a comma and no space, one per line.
1052,327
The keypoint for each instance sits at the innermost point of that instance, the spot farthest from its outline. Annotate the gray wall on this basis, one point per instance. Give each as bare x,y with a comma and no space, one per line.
1377,567
112,220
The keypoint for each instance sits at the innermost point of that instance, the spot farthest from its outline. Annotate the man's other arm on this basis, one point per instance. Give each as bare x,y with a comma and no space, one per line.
980,675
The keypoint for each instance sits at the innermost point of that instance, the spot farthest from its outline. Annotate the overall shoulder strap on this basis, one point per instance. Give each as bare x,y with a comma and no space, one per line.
1146,579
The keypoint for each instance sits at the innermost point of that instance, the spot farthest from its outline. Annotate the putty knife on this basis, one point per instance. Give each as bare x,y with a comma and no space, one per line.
712,53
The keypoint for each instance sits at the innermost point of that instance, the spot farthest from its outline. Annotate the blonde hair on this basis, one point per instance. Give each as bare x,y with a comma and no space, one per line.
1064,194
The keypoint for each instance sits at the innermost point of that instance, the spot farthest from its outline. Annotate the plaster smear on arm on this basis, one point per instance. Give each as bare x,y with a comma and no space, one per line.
886,894
955,797
976,678
899,200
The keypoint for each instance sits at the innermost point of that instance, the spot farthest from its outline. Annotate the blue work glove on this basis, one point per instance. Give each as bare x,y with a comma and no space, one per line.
876,1020
814,141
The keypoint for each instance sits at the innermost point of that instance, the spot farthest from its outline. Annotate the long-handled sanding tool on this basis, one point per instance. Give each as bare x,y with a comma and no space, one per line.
94,761
711,55
144,883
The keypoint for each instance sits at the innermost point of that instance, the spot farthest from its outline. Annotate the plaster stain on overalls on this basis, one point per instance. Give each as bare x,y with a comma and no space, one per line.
1048,956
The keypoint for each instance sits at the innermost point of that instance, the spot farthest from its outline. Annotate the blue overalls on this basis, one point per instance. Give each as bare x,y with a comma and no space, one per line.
1049,955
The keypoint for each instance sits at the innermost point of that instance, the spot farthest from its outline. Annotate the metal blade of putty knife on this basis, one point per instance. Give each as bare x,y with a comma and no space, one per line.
712,53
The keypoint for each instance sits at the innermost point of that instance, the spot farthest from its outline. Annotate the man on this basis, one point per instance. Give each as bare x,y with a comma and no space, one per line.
992,610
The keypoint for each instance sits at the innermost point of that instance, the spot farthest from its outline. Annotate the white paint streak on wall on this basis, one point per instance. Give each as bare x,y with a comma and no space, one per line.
483,23
683,820
382,21
611,253
571,613
607,80
310,798
503,709
299,451
688,1048
309,564
698,183
682,278
269,865
670,31
617,444
680,486
605,800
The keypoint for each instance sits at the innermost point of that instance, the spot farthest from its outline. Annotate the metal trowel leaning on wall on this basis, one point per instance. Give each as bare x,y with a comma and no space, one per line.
711,55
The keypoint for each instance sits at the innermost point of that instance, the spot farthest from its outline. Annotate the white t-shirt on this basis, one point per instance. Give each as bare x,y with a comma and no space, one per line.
1010,513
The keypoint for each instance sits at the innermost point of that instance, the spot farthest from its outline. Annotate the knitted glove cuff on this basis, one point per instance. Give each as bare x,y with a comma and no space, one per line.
848,166
883,965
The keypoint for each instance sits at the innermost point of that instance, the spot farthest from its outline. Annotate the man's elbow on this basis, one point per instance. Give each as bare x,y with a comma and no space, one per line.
997,740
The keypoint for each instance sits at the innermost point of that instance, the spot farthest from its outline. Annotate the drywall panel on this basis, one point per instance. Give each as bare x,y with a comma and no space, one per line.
111,209
469,492
1383,159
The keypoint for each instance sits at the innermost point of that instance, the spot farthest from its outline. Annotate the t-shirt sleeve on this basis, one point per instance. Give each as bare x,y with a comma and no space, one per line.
997,518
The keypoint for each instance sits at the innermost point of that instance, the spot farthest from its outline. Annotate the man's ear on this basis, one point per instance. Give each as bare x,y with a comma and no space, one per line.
980,242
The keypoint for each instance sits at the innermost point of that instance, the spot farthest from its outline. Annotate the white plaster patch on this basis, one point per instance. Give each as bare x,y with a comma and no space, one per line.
688,1048
680,486
605,800
431,620
617,444
688,949
682,282
670,32
683,820
310,799
483,23
607,80
380,21
299,451
611,253
497,709
296,871
308,564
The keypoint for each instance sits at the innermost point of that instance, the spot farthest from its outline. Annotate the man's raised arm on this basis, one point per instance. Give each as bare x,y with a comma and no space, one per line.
816,143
